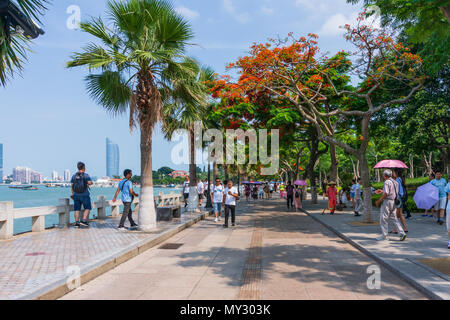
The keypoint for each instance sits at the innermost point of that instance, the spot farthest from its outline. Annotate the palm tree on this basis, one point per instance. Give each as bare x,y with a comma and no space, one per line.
14,45
185,107
140,53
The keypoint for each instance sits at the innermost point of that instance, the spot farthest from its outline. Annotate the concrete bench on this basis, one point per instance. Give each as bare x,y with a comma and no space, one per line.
168,213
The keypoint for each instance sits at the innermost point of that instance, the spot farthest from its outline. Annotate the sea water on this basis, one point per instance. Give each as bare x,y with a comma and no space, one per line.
50,197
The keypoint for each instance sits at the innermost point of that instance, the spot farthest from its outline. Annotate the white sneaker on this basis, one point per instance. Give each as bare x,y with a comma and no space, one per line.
381,238
215,220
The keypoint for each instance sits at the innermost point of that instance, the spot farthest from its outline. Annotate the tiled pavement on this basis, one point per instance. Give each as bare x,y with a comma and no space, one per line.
32,262
426,240
270,254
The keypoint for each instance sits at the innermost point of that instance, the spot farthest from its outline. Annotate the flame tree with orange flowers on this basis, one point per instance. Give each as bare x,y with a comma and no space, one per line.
387,73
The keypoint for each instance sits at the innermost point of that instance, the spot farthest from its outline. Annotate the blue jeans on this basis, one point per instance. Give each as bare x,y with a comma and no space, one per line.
217,207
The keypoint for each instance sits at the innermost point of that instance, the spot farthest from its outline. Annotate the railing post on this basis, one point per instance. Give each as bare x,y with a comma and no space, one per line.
38,224
163,199
64,215
115,210
7,215
101,207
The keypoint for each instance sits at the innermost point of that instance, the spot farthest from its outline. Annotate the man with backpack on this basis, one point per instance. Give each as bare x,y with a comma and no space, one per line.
128,195
80,195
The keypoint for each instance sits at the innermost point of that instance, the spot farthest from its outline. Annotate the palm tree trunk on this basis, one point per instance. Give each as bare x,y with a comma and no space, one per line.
147,212
193,194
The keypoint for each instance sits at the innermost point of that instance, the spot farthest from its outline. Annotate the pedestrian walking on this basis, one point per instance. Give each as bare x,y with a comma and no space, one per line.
332,197
298,198
217,193
247,192
401,192
261,192
255,193
229,199
352,193
266,190
128,195
388,206
447,190
186,191
440,183
357,197
290,195
81,195
200,189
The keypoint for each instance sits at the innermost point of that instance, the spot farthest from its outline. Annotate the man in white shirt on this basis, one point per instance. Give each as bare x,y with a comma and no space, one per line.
229,199
200,190
217,192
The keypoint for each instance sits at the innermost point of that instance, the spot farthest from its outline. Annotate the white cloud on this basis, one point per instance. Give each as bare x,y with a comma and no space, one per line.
332,27
267,10
231,9
188,13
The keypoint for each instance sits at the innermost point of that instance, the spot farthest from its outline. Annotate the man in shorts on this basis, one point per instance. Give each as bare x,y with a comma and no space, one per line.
81,196
440,183
217,196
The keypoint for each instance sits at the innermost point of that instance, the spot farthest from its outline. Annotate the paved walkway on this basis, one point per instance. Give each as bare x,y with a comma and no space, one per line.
33,264
270,254
426,240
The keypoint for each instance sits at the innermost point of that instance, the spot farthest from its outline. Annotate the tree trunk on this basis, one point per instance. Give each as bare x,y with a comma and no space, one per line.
215,171
334,163
225,169
446,11
193,194
367,191
147,211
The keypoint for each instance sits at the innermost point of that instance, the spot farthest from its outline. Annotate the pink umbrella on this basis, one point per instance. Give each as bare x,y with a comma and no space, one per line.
391,164
300,183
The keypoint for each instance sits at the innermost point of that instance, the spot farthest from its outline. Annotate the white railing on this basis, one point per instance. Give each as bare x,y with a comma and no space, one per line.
37,214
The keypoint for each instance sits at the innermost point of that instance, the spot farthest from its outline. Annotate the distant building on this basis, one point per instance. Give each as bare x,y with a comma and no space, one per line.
179,174
55,176
112,159
22,175
36,177
67,175
1,162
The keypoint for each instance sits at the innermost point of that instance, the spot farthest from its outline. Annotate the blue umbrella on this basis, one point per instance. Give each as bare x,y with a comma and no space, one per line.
246,182
426,196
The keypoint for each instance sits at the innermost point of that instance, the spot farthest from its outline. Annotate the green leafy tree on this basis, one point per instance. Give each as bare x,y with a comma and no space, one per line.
425,23
134,61
14,46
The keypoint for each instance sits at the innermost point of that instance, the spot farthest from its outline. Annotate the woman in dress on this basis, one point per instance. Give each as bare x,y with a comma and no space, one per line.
332,196
297,198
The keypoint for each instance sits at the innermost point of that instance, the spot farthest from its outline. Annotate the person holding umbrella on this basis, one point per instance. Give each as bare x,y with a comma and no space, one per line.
440,183
388,205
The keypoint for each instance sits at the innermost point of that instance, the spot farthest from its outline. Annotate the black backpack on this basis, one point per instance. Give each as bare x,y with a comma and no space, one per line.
297,194
80,184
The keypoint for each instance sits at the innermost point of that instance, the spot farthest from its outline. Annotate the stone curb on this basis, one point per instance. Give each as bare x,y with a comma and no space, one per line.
59,288
415,284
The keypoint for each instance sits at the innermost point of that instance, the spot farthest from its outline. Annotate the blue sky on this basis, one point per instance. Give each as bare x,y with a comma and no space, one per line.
48,122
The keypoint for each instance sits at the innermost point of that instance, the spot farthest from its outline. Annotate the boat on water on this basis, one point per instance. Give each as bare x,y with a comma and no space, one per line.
20,187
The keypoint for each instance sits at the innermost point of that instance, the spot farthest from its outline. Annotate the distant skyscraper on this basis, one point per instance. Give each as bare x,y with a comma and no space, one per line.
1,161
22,175
55,176
66,175
112,159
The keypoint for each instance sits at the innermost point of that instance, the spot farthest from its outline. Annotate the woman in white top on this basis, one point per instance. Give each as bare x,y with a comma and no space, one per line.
217,192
